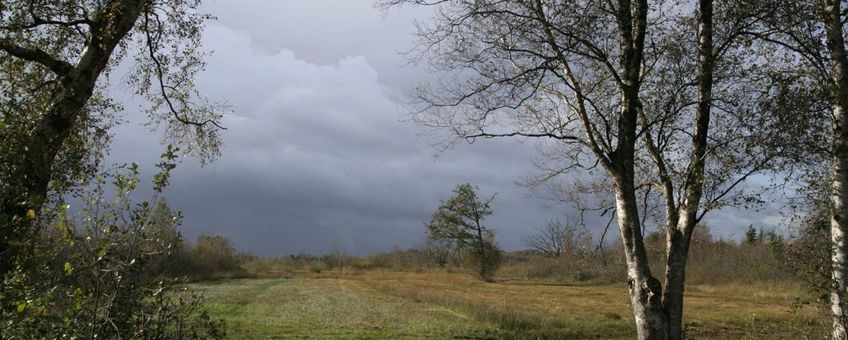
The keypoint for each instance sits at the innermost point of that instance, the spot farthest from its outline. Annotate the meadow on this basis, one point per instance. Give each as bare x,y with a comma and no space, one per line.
437,305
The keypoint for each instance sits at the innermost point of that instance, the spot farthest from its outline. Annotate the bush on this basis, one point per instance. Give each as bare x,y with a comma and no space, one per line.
214,257
318,267
487,262
103,278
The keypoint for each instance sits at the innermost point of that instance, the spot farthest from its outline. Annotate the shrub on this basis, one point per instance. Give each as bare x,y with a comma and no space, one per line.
214,257
103,278
486,262
318,267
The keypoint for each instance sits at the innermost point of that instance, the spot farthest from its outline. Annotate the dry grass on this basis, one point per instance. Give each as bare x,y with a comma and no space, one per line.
440,304
548,310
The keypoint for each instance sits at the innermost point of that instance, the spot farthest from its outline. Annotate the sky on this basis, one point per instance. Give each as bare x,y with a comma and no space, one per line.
318,152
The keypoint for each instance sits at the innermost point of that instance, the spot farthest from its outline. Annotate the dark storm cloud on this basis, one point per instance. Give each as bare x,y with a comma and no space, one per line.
315,151
316,154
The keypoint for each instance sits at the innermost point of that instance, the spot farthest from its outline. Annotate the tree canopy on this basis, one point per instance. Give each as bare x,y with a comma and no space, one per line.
56,112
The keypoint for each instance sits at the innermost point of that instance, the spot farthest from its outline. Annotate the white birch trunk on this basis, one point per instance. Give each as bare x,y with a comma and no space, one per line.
839,197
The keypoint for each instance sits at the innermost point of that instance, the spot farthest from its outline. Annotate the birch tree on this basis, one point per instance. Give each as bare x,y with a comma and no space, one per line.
55,112
813,32
834,16
611,84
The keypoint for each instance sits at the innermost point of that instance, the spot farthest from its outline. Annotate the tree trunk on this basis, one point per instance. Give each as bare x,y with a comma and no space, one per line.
839,197
68,100
679,238
839,223
678,241
645,290
481,249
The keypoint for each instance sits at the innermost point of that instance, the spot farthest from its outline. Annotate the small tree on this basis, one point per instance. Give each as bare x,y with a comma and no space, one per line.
558,238
162,232
214,255
751,235
459,221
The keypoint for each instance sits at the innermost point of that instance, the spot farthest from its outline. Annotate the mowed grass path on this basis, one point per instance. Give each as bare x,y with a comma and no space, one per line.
306,308
442,306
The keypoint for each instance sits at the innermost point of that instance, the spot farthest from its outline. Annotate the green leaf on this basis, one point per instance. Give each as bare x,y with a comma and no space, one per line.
21,307
104,247
69,269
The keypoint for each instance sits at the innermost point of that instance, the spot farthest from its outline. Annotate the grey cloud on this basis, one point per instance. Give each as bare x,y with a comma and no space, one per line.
315,151
316,154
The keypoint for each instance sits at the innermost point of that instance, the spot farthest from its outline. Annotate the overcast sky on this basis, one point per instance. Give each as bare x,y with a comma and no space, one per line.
316,151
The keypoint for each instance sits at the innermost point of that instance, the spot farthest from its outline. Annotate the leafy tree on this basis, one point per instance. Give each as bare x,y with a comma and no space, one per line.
654,98
214,255
813,33
459,220
164,239
55,112
751,235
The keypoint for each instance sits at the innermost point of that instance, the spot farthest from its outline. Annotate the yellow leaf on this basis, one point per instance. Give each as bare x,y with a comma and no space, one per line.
31,214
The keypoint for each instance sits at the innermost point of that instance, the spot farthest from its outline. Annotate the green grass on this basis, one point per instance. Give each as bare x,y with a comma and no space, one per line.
319,309
440,305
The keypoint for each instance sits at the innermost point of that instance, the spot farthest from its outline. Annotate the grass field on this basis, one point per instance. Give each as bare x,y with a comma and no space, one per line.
395,305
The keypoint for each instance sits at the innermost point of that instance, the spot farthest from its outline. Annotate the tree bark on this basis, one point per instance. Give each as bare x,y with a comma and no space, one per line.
679,235
76,85
839,223
645,290
839,197
480,246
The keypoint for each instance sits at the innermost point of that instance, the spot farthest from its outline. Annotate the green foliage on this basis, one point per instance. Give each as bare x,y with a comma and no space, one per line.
486,262
457,225
164,43
460,218
160,180
56,112
808,255
751,235
212,257
105,277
